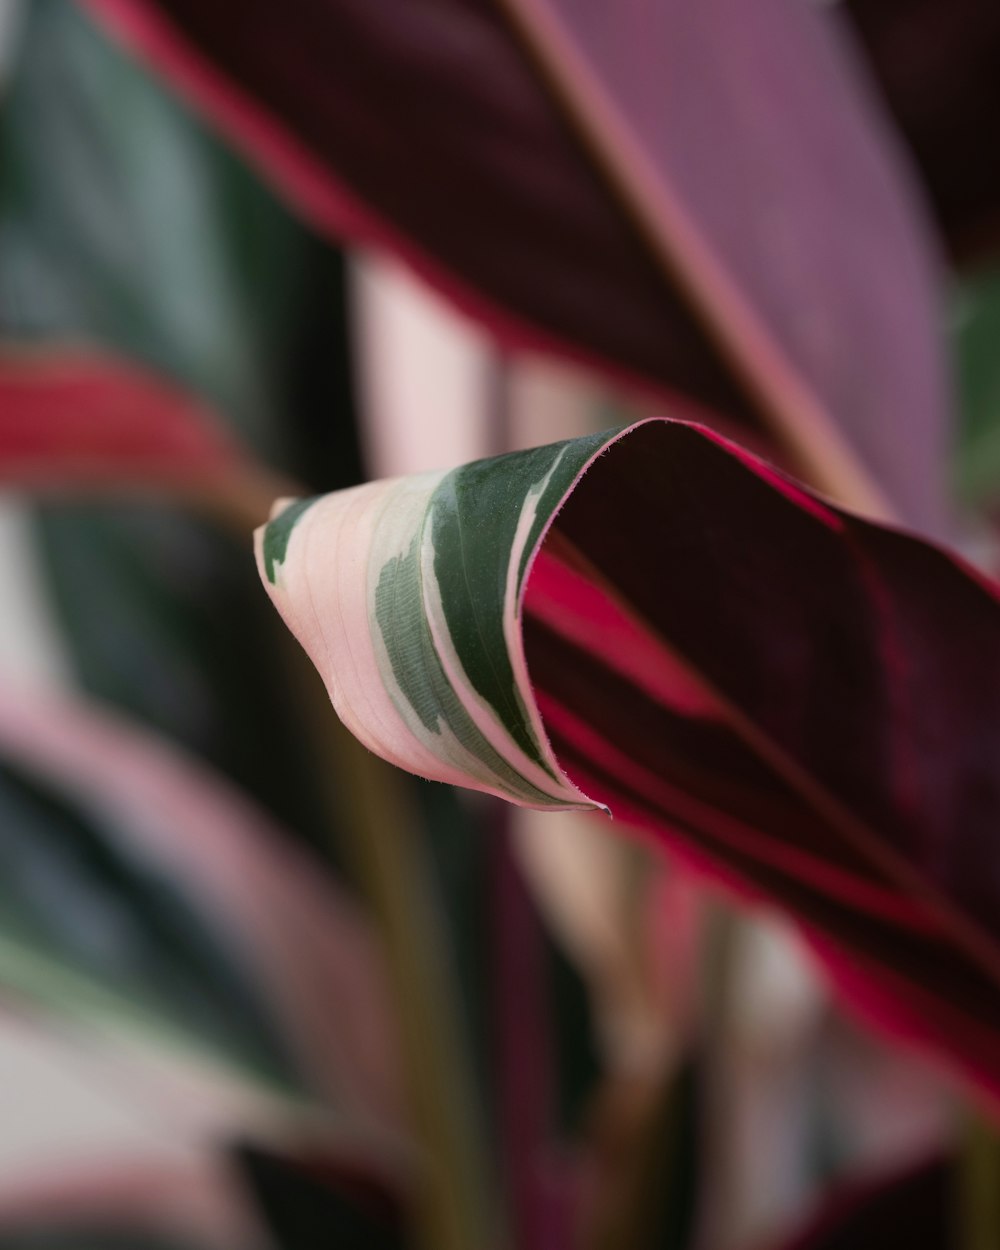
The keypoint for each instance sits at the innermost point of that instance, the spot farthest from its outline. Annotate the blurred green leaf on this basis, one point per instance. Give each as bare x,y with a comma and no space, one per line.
123,220
976,338
165,618
75,890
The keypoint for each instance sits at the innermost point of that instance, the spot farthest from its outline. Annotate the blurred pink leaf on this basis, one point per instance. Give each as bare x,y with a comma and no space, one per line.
310,943
192,1199
701,198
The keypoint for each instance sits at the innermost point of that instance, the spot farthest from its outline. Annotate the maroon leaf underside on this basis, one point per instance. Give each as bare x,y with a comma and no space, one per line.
429,129
70,417
847,764
938,63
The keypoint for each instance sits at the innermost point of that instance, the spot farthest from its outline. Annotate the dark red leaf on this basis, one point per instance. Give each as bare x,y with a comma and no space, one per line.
843,756
770,264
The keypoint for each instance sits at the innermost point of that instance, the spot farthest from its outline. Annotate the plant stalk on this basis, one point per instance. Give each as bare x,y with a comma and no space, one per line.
454,1207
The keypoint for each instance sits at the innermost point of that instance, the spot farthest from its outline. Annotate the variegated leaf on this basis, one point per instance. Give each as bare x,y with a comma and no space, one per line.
802,701
417,627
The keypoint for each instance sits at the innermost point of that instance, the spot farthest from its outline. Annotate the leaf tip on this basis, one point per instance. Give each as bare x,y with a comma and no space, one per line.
272,538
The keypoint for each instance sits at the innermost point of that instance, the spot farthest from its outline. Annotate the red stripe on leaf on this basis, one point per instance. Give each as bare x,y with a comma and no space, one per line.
80,419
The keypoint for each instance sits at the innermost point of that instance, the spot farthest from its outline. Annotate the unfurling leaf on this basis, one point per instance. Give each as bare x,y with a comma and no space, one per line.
654,622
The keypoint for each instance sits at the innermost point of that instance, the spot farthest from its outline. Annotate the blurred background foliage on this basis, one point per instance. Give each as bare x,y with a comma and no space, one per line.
127,224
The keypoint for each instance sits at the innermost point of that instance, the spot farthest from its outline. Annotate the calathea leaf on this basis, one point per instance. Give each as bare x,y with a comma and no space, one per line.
803,701
179,908
684,195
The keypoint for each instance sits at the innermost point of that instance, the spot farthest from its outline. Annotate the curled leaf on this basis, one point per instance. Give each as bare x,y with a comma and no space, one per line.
802,701
416,630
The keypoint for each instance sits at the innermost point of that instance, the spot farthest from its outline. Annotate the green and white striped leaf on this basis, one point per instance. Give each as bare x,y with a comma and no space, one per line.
798,700
414,589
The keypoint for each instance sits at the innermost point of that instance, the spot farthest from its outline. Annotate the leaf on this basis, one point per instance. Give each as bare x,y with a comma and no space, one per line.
702,198
934,60
975,335
802,700
77,899
124,222
71,417
141,871
915,1208
117,1203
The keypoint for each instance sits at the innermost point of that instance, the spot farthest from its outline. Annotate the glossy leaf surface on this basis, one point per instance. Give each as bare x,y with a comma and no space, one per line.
75,895
760,167
657,623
